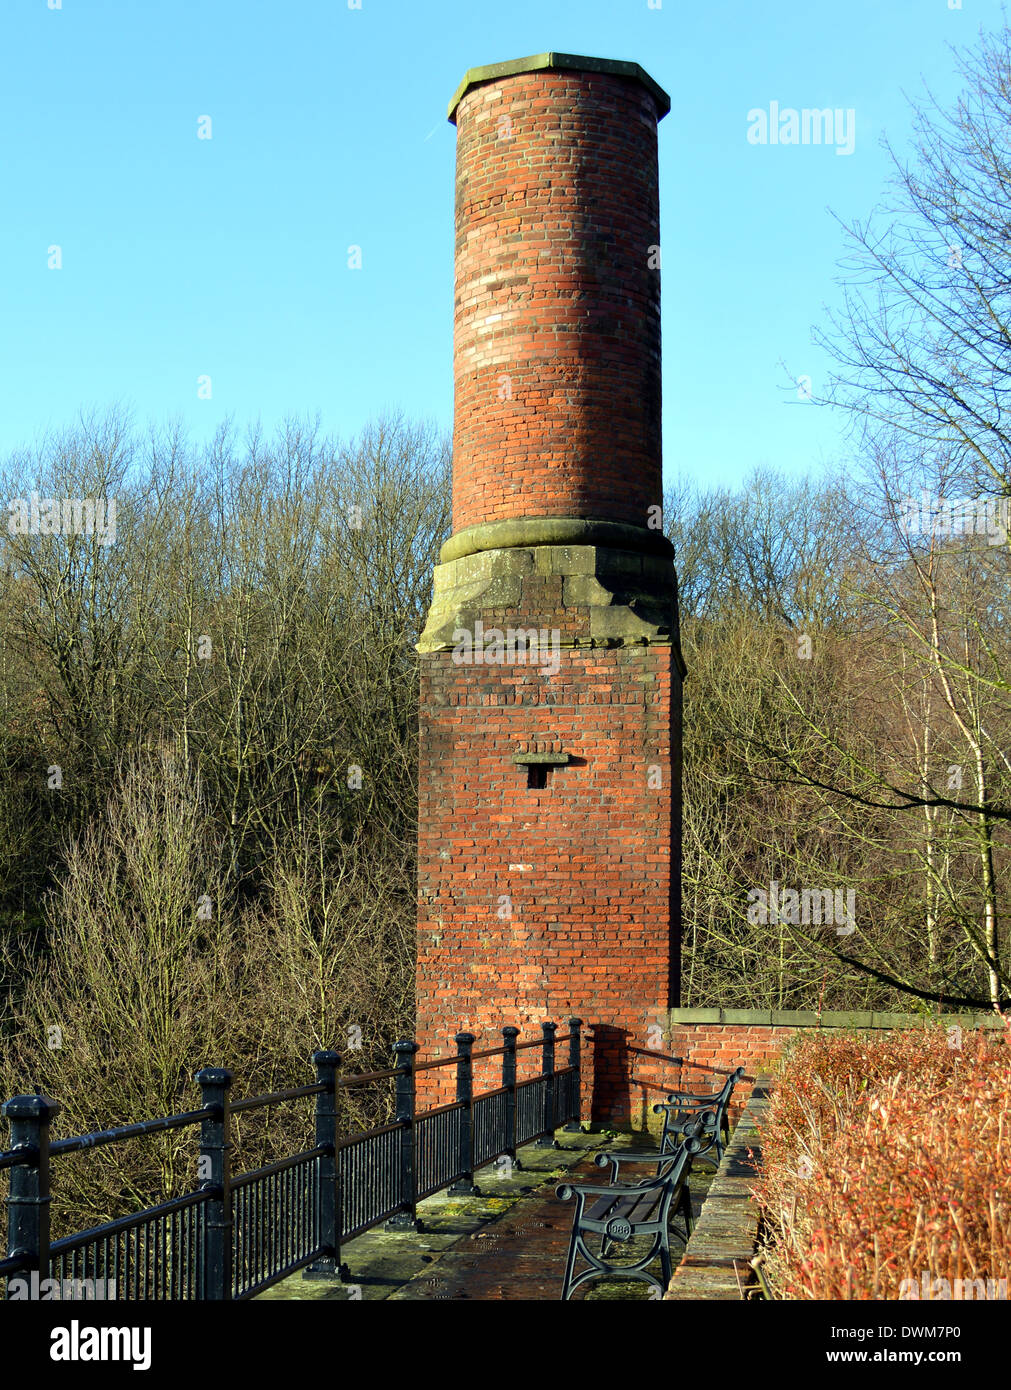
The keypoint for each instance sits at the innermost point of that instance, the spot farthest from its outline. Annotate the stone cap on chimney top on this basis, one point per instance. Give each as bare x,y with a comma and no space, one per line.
540,62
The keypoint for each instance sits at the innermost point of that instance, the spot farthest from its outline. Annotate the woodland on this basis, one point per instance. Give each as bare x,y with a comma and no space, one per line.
208,729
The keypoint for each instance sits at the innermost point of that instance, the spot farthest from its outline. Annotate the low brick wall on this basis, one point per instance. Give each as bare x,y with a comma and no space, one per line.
716,1264
715,1041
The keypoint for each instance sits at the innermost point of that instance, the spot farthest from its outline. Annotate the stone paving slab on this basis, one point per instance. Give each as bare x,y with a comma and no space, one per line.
527,1260
705,1283
508,1243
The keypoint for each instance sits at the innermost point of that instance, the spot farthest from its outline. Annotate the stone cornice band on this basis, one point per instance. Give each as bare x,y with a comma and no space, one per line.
553,530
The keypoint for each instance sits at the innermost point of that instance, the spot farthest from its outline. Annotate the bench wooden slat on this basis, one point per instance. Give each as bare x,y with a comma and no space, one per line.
630,1208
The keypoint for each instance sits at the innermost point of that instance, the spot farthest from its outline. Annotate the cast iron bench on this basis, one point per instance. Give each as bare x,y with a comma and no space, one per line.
621,1212
683,1108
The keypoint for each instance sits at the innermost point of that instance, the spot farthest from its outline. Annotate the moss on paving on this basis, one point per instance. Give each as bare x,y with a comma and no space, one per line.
382,1263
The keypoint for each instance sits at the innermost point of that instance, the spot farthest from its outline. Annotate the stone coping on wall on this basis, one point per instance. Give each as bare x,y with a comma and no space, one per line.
809,1018
717,1262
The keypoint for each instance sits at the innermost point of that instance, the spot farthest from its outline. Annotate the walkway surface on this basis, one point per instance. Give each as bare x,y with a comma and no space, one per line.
508,1243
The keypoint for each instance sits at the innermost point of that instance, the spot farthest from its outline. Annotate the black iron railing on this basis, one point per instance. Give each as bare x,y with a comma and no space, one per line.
233,1237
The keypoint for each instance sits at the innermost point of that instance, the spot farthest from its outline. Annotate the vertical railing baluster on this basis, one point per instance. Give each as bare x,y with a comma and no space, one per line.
547,1139
215,1156
29,1197
464,1184
406,1219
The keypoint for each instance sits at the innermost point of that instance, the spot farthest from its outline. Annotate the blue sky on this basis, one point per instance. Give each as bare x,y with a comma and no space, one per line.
228,257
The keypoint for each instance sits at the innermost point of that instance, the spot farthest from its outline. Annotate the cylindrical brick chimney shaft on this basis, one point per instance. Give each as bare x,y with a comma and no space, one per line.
557,326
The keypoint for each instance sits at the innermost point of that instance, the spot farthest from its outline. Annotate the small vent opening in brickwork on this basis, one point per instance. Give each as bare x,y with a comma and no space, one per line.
539,765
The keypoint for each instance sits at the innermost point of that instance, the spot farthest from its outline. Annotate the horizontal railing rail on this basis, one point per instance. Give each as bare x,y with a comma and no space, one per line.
115,1136
361,1134
234,1236
259,1102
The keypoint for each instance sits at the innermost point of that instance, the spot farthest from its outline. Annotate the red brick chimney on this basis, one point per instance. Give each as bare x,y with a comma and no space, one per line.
549,835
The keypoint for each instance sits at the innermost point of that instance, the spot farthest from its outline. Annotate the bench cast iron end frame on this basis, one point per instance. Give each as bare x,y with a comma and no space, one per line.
624,1211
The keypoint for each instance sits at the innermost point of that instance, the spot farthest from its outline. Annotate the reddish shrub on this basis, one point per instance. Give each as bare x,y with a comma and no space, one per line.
886,1166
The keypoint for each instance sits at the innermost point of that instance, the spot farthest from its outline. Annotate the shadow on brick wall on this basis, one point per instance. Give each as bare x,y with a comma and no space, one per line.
610,1095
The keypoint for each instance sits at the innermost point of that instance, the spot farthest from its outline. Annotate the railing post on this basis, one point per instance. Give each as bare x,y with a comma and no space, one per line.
29,1200
548,1141
510,1034
464,1184
216,1172
576,1080
328,1265
406,1220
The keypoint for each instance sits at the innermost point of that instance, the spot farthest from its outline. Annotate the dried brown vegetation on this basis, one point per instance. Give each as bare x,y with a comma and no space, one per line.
886,1167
